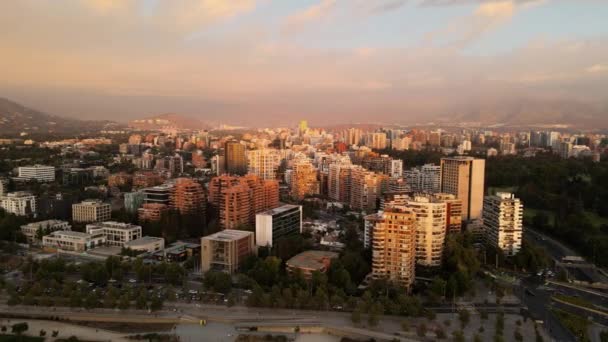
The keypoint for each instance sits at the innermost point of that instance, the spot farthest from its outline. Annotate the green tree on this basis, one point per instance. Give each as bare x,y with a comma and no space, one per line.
464,316
141,302
356,316
421,330
124,302
19,328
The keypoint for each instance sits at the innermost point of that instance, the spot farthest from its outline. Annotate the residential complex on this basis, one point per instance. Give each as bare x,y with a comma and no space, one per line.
502,220
263,163
235,162
394,247
20,203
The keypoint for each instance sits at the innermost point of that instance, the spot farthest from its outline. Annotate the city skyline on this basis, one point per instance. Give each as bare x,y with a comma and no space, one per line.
330,61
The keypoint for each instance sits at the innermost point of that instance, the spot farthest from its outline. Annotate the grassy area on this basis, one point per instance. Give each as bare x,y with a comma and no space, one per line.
576,324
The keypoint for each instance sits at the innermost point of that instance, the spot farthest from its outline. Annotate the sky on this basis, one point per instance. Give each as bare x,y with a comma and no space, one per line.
274,62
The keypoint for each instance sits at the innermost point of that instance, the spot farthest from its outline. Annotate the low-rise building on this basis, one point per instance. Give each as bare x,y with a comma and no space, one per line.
73,241
148,244
274,224
226,250
311,261
20,203
46,227
40,173
117,233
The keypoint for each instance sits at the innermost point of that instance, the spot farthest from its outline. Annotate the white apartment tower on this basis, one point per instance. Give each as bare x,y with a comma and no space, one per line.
502,220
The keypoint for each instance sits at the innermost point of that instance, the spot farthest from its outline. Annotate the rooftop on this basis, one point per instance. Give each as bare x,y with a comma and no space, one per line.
279,210
311,259
228,235
70,233
143,241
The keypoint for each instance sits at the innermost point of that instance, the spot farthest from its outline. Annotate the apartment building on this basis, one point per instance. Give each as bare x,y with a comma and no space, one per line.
263,163
394,247
20,203
152,212
91,211
430,230
303,180
426,178
503,222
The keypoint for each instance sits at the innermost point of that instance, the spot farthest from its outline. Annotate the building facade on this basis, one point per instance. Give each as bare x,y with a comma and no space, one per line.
226,251
91,211
46,227
20,203
464,178
394,247
503,222
117,233
274,224
40,173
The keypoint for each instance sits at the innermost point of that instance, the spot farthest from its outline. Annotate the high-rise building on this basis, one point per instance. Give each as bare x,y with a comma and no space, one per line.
394,247
303,180
275,224
188,198
426,178
502,220
145,179
303,127
159,194
376,140
338,182
366,187
396,168
238,199
40,173
464,178
353,136
263,163
91,211
430,230
453,222
235,162
226,251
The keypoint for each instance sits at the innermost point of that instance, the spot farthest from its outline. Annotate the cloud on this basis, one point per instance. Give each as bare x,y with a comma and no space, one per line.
316,12
487,16
597,69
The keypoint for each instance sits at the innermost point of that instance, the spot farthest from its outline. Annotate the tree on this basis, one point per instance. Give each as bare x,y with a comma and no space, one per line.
141,302
91,301
405,326
440,333
477,338
458,336
124,302
464,317
218,281
517,335
156,304
19,328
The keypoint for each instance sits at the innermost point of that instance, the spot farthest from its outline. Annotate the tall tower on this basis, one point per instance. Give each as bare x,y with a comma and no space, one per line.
394,246
464,178
234,158
502,220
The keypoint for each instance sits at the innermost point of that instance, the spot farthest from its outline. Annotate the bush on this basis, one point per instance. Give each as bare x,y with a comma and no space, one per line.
42,333
19,328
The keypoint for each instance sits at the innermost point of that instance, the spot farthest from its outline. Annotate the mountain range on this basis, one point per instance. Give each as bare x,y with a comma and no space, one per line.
16,118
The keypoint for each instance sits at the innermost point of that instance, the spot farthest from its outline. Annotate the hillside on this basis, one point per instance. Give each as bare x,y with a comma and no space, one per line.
16,118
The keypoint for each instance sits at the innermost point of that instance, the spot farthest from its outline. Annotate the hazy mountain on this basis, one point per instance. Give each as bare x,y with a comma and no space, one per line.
168,121
16,118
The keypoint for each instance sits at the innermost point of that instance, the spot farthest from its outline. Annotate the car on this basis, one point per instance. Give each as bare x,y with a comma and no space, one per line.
193,292
132,281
